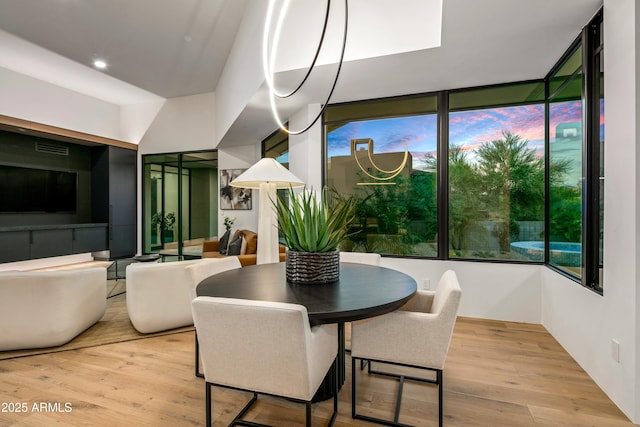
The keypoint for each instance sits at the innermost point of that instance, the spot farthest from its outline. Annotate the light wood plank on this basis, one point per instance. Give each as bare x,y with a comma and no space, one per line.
497,374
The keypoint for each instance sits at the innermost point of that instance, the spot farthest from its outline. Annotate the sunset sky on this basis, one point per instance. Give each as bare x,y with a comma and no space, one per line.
467,128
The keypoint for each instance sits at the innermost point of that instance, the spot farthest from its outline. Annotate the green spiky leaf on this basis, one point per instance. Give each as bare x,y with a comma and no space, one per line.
311,224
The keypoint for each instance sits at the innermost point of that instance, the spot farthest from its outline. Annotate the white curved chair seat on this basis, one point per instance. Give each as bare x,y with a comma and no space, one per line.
49,308
158,298
417,335
263,347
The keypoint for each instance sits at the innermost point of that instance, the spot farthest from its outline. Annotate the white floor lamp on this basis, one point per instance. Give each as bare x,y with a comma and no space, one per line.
267,175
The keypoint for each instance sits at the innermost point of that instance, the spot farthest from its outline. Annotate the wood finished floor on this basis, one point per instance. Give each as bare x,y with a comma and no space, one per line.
497,374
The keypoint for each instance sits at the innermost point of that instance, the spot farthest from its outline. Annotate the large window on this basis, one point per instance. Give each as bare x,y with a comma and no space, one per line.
496,173
523,179
383,153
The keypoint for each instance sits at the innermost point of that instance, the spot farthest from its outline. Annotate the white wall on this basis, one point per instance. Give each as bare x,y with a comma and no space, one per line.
135,119
583,322
241,157
242,75
496,291
31,99
305,150
183,124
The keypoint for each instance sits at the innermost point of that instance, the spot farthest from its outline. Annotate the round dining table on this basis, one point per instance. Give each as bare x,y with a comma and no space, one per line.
362,291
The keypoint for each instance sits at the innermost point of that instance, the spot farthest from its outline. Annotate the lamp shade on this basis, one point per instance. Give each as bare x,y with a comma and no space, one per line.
267,176
267,171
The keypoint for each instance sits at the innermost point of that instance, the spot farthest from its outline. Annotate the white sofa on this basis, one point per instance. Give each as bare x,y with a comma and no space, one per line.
158,296
49,308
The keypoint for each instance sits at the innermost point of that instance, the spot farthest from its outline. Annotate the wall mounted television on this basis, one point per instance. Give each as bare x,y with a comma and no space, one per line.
37,190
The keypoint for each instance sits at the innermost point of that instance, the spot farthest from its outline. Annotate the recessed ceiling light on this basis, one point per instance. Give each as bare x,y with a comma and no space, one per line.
100,64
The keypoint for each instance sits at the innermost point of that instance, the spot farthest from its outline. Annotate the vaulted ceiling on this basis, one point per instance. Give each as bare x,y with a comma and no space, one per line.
167,47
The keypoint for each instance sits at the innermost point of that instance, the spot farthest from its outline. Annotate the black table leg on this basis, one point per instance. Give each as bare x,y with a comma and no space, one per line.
341,355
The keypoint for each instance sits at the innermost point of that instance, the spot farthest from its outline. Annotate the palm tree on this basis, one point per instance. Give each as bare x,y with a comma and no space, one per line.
465,208
513,179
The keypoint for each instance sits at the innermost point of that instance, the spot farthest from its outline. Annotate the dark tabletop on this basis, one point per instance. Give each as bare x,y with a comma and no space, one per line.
362,291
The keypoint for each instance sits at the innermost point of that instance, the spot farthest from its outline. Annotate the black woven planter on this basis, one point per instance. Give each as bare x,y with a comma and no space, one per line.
313,267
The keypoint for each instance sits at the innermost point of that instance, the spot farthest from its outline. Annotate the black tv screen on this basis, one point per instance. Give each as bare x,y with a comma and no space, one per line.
37,190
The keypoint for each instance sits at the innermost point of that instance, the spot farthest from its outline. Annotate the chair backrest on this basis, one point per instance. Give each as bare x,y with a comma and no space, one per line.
360,258
263,346
448,294
208,267
446,302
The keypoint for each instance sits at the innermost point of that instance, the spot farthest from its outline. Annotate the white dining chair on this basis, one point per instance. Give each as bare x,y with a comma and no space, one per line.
264,348
199,271
416,336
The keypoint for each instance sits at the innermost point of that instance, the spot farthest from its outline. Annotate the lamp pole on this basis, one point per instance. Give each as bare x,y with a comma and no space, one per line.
267,225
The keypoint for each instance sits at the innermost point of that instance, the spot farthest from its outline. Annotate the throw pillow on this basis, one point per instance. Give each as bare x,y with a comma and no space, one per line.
235,246
224,242
243,248
252,241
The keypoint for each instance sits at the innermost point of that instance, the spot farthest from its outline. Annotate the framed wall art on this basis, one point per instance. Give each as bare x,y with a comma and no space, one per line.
233,197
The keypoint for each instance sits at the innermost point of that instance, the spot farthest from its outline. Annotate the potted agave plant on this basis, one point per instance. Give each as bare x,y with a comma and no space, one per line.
313,228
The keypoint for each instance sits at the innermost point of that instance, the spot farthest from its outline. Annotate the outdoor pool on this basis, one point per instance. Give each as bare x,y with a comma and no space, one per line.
563,253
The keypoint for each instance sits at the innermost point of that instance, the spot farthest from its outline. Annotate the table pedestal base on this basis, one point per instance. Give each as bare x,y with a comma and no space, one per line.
325,391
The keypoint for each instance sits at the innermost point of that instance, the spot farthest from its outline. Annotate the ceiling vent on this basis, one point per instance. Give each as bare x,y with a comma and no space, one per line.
43,147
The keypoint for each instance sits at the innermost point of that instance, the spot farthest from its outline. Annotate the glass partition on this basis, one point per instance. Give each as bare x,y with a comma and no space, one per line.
180,203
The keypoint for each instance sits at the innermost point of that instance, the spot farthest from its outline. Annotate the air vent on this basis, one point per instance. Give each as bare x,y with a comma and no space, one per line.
42,147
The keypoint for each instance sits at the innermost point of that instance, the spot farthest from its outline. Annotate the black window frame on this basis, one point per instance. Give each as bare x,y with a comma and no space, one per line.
590,39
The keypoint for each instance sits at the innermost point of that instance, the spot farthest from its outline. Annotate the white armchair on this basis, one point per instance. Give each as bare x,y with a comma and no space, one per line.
418,335
263,347
158,297
49,308
198,272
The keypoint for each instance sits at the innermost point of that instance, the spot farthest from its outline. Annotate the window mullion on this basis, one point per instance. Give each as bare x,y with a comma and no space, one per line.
443,175
591,159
